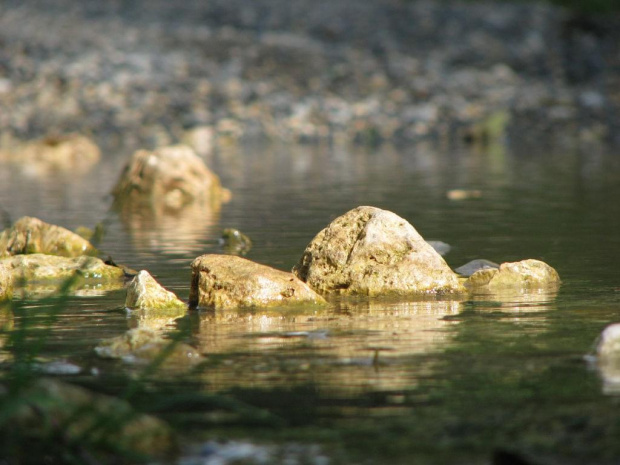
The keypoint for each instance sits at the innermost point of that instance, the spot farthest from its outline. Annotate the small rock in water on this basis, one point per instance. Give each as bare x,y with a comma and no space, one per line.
471,267
440,247
235,242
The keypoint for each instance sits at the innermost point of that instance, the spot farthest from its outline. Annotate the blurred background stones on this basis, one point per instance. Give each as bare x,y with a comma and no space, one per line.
145,74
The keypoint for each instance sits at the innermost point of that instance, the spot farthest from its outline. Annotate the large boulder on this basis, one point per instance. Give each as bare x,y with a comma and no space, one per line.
170,177
43,267
374,252
31,235
523,275
228,281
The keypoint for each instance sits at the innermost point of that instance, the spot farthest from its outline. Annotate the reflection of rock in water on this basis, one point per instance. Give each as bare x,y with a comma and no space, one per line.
169,199
355,346
518,300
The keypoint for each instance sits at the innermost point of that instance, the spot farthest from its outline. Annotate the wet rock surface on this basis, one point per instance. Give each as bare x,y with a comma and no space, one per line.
227,281
148,73
374,252
32,236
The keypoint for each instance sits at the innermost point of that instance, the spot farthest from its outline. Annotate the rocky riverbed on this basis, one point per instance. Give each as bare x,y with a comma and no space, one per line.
147,73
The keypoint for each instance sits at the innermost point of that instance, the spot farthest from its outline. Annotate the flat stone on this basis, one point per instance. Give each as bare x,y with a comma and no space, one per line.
31,235
51,267
228,281
525,274
374,252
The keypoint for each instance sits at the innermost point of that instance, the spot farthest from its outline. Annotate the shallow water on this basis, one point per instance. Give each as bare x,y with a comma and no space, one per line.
439,381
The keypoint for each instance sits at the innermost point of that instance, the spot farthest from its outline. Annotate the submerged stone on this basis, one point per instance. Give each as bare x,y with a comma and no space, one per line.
525,274
143,292
369,251
43,267
471,267
170,177
31,235
143,345
227,281
106,423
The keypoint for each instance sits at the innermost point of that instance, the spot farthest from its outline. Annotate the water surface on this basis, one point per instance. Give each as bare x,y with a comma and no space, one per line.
453,381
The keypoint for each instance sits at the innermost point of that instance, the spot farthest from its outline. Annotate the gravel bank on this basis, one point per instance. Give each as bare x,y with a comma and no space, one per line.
145,72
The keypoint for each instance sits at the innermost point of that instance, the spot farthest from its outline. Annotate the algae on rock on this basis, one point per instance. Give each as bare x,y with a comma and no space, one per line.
374,252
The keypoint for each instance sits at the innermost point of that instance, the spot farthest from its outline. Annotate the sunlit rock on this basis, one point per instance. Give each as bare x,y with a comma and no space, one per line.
150,305
143,345
144,292
98,422
374,252
170,177
227,281
235,242
70,153
526,274
31,235
43,267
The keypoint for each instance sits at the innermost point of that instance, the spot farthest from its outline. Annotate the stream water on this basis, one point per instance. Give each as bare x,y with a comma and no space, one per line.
481,380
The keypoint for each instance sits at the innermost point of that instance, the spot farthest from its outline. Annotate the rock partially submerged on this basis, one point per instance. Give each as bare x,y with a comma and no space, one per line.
144,345
526,274
170,177
374,252
145,293
41,267
227,281
31,235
